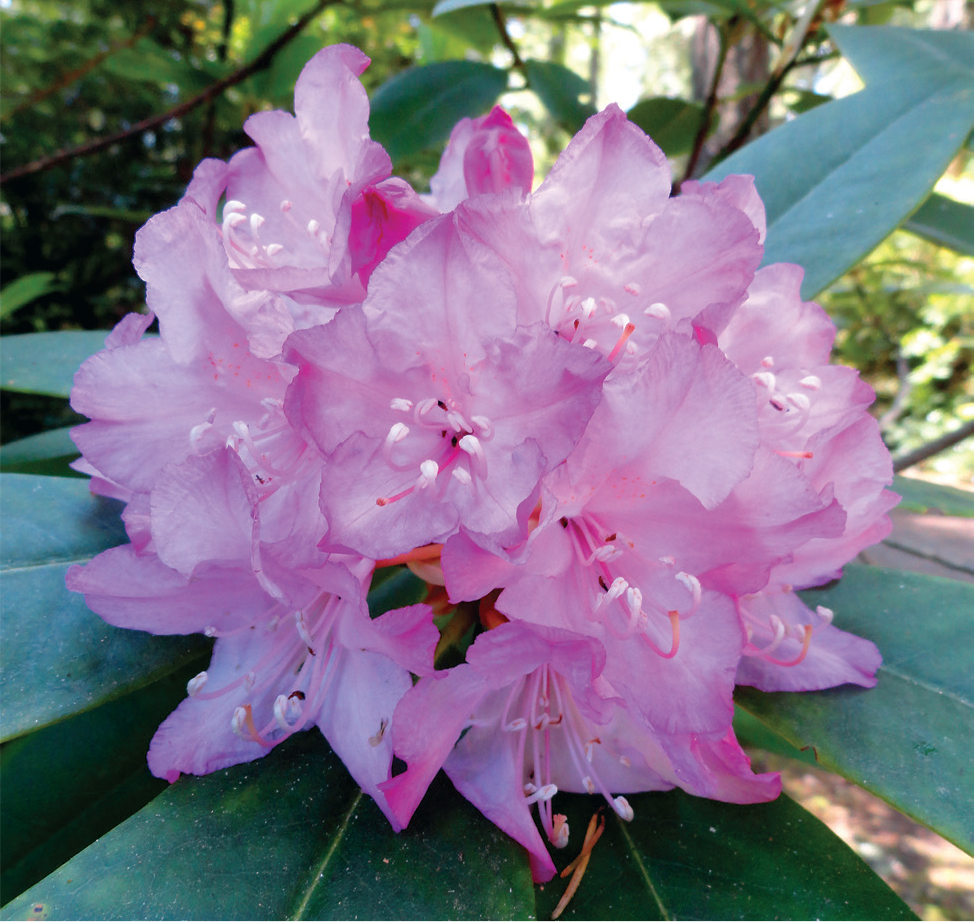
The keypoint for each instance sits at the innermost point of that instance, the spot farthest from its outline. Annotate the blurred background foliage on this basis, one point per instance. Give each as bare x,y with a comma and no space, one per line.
701,76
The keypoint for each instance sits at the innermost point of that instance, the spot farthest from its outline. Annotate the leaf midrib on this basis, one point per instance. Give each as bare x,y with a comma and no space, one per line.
910,107
318,873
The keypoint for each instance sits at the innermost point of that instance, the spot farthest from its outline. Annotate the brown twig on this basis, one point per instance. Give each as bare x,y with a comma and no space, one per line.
709,106
71,76
934,447
262,61
505,37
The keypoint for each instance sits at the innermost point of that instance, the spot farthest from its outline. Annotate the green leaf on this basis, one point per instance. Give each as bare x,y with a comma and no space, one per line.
672,124
448,6
862,166
290,836
909,740
26,289
753,734
417,108
394,587
45,453
559,90
946,222
58,658
921,496
45,363
62,790
684,857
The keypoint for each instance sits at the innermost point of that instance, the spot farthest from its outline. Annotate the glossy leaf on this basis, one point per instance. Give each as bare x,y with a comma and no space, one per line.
559,90
24,290
449,6
683,857
62,789
909,740
946,222
46,453
923,496
838,179
58,658
417,108
45,363
673,124
290,836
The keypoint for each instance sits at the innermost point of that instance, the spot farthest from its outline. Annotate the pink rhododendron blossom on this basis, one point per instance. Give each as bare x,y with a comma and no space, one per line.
583,407
440,417
483,155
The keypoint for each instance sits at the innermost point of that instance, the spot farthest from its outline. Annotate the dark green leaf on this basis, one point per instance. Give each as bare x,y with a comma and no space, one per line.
68,784
683,857
290,836
559,90
46,453
910,739
417,108
944,221
395,587
45,363
24,290
921,496
59,659
448,6
672,124
753,734
838,179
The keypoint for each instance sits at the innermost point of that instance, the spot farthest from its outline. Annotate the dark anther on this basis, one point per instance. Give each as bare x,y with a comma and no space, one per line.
442,405
453,441
300,695
602,583
610,538
564,522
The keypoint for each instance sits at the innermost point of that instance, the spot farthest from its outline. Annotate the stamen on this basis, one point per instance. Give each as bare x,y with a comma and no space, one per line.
233,205
484,427
620,320
675,637
461,474
623,809
303,631
397,432
807,636
196,683
560,831
244,718
627,332
578,867
273,249
766,379
693,585
256,223
401,404
286,206
588,307
768,362
428,474
825,613
472,445
795,454
658,310
545,793
313,227
632,289
377,738
811,382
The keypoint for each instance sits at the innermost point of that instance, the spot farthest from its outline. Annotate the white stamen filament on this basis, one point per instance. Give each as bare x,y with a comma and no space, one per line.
623,809
401,404
428,474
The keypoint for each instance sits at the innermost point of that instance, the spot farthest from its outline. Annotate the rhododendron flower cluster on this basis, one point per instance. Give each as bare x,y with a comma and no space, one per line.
584,408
